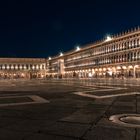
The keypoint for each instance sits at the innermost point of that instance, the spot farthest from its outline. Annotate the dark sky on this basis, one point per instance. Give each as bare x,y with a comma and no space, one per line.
44,28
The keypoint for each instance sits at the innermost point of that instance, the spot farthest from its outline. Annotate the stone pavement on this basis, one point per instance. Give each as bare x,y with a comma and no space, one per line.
67,116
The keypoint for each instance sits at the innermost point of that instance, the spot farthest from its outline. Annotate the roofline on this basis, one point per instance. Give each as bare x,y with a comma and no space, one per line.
100,42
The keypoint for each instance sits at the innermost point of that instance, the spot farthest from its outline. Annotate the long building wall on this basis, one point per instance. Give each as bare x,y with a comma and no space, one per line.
117,57
13,68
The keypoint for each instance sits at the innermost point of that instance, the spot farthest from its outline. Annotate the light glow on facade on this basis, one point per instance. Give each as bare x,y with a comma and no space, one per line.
108,38
77,48
50,58
61,54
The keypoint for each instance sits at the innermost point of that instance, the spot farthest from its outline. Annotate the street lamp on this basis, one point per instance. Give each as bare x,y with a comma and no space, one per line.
77,48
61,54
108,38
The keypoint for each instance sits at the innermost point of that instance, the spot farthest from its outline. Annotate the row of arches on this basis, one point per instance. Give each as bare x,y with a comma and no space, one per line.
21,75
125,57
121,45
113,47
125,71
117,58
22,67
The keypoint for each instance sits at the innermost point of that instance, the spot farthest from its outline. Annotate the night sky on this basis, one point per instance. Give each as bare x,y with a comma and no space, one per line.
44,28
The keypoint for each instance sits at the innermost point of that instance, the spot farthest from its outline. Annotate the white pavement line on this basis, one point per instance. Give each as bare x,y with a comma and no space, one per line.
110,87
99,86
36,100
107,88
114,89
106,96
122,94
116,84
85,95
85,87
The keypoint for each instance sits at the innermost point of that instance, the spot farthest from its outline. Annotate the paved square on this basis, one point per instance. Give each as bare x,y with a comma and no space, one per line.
26,100
68,109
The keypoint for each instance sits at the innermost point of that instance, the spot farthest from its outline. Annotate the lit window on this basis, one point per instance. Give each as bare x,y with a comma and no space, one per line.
8,67
12,67
37,67
16,67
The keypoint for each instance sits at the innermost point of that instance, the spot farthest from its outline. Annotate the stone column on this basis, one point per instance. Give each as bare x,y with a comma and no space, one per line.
134,72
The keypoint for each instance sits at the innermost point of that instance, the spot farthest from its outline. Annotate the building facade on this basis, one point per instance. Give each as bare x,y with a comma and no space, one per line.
117,56
14,68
